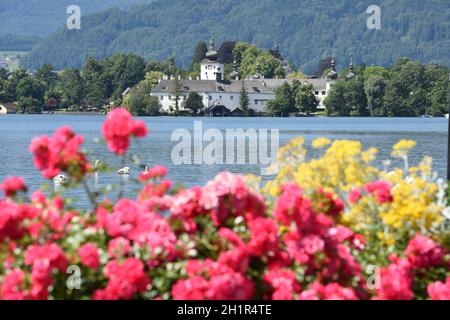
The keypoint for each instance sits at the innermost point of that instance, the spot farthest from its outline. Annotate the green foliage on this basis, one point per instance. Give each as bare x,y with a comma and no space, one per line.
244,100
199,53
194,103
29,105
71,86
347,98
140,103
152,78
284,102
305,100
252,59
306,31
406,89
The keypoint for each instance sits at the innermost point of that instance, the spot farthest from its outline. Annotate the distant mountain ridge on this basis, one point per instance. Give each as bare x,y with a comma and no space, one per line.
305,30
38,18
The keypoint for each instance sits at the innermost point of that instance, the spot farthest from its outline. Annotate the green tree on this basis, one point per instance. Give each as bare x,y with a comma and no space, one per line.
199,53
95,83
47,75
244,100
194,103
123,71
10,86
176,91
140,103
305,100
375,91
29,105
284,101
347,98
30,88
71,84
152,78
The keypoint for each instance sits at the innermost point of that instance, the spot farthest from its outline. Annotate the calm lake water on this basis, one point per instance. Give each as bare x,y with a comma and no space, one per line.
16,132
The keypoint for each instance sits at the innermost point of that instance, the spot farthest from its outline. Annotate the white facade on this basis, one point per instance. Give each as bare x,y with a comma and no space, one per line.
212,70
257,102
227,93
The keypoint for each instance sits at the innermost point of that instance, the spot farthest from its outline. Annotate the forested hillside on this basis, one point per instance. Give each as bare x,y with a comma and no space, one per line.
41,17
306,31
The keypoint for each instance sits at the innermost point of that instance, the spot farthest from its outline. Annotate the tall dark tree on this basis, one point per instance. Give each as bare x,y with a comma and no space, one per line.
244,100
194,103
72,87
225,53
176,91
324,64
123,71
47,75
199,53
95,84
375,91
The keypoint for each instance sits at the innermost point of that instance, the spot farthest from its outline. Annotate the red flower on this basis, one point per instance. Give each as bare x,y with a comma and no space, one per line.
284,284
118,247
355,195
332,291
89,255
119,127
381,190
12,185
60,153
155,172
423,252
229,196
12,286
396,281
125,280
439,290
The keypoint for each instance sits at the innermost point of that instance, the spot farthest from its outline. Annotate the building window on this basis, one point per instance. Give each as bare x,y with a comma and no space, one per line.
316,93
210,97
324,93
220,97
231,97
170,97
256,102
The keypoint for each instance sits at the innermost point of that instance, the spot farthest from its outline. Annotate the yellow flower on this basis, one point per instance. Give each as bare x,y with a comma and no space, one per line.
320,143
402,148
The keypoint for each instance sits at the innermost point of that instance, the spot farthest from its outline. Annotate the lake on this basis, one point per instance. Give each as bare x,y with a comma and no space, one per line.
16,132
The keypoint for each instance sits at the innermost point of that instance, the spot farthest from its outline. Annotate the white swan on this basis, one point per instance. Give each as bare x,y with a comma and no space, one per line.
59,180
96,170
125,170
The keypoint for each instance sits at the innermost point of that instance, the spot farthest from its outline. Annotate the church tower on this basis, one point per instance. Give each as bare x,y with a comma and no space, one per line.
210,68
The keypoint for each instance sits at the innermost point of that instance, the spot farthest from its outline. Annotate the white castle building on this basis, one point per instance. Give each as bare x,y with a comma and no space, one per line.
218,92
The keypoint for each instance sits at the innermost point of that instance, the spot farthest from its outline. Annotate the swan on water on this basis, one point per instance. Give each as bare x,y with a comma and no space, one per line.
59,179
125,170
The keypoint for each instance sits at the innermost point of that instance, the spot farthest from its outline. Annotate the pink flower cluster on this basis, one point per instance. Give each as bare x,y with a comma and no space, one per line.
13,185
119,127
380,190
60,153
219,241
397,279
209,280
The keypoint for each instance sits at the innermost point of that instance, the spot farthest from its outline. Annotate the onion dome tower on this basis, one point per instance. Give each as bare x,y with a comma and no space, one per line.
210,68
234,75
332,75
351,73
